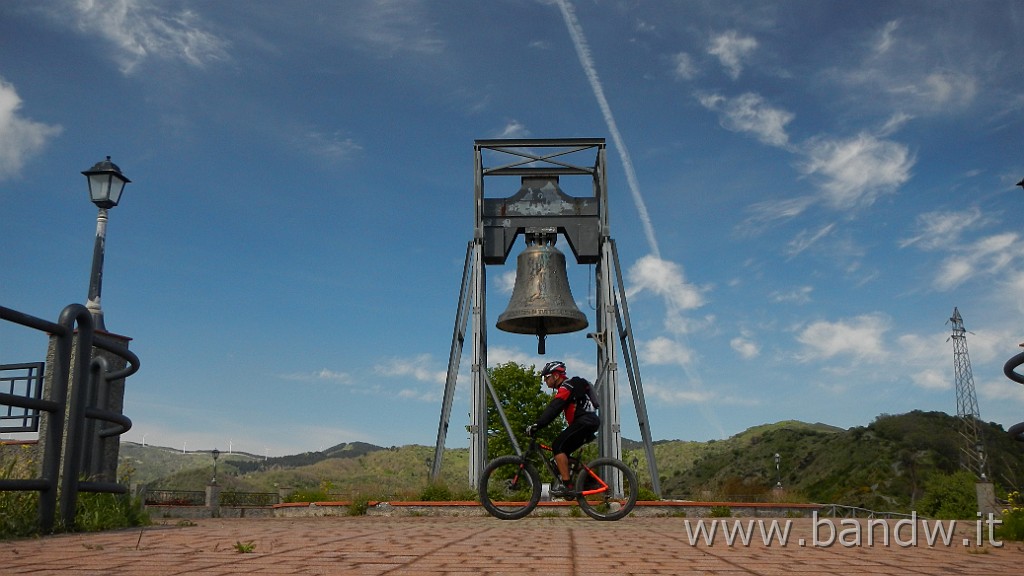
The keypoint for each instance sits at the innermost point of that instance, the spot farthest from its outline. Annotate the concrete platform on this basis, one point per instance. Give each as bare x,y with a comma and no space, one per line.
536,545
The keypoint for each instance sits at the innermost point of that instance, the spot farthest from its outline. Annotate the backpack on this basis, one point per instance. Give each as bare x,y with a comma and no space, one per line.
583,395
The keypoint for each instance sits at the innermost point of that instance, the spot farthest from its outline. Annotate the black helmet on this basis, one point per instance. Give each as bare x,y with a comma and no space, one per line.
552,367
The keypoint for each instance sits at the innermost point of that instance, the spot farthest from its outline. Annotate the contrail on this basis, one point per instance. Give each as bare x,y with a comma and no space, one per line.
583,51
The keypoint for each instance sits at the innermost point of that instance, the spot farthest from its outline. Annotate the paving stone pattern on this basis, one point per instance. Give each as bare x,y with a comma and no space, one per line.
537,546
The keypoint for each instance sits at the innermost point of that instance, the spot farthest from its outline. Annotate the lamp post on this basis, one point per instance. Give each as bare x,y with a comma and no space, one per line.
106,183
215,454
980,449
778,473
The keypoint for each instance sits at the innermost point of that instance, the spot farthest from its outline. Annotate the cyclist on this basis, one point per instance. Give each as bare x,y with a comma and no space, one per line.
577,399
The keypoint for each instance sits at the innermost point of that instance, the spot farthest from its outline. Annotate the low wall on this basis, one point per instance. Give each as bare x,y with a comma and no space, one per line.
469,508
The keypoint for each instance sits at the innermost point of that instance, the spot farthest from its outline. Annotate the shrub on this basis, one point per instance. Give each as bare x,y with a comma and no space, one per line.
20,509
950,497
359,506
436,492
721,512
98,511
645,493
1013,518
93,511
308,495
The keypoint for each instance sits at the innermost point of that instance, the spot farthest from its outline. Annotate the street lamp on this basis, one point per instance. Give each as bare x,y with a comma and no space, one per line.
778,473
106,183
215,453
979,447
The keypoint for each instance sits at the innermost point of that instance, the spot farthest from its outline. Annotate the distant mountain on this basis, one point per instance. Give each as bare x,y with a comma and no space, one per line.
882,466
150,463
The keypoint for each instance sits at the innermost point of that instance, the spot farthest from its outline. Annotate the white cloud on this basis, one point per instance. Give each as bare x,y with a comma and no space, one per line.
388,27
506,281
885,37
749,113
1001,391
665,351
513,129
932,379
800,295
333,146
904,71
953,271
1013,290
946,88
683,66
577,365
942,229
745,347
672,395
769,211
731,50
807,238
666,279
20,138
418,367
894,123
140,30
322,375
983,258
856,171
860,337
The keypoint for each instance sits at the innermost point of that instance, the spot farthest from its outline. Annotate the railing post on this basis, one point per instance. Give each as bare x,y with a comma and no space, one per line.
77,395
52,436
213,499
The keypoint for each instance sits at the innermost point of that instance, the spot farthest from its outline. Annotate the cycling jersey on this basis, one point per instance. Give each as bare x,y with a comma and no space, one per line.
574,397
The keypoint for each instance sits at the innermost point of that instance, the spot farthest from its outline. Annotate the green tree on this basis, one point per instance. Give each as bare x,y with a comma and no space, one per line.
950,496
520,390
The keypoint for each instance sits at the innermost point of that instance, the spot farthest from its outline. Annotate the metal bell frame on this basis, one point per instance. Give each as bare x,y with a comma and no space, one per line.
540,207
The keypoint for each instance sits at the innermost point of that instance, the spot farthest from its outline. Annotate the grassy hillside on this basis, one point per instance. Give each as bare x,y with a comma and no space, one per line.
882,466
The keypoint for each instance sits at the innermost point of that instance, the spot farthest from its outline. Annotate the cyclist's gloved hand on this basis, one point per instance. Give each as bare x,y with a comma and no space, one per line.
531,430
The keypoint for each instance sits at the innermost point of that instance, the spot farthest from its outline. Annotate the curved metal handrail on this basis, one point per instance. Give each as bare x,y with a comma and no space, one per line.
1010,370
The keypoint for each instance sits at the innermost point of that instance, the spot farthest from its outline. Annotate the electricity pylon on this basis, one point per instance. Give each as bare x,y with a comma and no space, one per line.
972,448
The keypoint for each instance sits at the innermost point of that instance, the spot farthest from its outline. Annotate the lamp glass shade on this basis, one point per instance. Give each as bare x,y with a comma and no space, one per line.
106,183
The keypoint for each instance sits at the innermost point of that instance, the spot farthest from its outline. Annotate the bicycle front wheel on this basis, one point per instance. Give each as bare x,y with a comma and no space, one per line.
509,487
607,489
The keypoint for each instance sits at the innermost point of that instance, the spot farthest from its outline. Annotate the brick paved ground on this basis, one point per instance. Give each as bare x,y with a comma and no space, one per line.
482,545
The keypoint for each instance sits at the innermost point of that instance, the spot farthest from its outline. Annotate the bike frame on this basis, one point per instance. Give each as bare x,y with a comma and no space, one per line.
539,449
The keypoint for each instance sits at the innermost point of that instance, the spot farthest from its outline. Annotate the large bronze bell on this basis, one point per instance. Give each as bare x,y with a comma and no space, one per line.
541,302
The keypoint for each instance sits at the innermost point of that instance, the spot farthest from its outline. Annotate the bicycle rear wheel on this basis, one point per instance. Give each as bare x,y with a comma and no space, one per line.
509,487
608,490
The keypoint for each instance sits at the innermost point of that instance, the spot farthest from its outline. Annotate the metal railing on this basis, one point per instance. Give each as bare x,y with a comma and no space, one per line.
25,380
249,498
840,511
1010,370
175,498
198,498
63,453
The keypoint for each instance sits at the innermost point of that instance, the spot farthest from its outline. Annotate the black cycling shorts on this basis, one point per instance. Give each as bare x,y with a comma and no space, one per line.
582,430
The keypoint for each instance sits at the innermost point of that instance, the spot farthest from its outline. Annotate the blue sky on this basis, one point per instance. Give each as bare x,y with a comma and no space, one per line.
801,192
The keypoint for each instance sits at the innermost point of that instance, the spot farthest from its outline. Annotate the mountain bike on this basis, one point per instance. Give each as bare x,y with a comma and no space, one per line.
510,487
